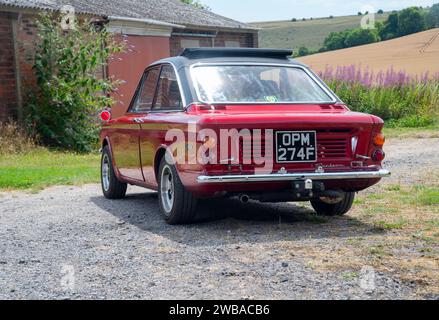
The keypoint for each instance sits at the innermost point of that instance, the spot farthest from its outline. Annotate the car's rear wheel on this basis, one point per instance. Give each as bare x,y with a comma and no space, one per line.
112,188
177,205
334,209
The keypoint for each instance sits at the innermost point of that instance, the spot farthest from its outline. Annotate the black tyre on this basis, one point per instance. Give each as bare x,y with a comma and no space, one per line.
112,188
177,205
335,209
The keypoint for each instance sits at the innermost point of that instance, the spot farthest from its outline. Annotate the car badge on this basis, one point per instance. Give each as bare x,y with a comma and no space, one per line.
320,169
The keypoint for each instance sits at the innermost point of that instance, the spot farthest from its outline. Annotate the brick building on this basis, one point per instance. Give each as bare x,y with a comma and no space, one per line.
154,28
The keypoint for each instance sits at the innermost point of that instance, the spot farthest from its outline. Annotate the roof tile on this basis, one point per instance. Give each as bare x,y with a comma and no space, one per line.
172,11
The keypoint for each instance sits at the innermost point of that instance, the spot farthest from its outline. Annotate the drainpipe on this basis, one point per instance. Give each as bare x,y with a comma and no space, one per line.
102,23
14,22
214,38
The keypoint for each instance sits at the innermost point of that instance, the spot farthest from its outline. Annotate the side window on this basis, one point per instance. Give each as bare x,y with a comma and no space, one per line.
145,97
168,94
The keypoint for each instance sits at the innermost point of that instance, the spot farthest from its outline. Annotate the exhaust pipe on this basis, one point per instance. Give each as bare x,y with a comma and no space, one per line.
244,198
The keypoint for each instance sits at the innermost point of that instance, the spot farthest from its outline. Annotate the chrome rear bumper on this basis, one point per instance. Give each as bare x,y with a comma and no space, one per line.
276,177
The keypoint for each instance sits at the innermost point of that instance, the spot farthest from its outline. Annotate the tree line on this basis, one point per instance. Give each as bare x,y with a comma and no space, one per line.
398,24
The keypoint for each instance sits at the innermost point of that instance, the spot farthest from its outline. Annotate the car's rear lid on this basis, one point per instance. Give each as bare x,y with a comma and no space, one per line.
341,135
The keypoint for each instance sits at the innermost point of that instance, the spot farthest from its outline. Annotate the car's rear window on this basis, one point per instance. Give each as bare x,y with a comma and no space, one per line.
257,84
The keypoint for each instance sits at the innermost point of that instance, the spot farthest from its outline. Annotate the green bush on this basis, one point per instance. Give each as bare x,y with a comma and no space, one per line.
350,38
68,64
358,37
303,51
335,40
412,105
432,18
410,20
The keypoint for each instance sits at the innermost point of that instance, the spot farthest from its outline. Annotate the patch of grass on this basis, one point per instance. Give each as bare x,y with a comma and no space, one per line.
393,187
354,241
403,207
398,196
412,121
377,196
419,133
14,139
427,196
419,195
410,250
425,250
433,223
434,239
378,209
316,219
349,276
385,225
377,251
41,168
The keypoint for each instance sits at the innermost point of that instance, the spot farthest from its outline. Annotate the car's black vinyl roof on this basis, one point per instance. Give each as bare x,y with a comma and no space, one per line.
200,53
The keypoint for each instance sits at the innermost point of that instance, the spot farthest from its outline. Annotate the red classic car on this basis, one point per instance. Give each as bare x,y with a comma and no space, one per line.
248,123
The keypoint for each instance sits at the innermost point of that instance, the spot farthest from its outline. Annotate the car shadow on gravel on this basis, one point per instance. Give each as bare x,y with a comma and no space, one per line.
221,219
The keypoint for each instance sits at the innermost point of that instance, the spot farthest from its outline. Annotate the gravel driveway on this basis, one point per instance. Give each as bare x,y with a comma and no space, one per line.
71,243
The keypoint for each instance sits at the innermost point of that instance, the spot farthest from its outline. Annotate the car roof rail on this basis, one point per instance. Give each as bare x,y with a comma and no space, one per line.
201,53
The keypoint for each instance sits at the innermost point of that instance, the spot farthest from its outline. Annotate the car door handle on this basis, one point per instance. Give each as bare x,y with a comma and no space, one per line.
138,120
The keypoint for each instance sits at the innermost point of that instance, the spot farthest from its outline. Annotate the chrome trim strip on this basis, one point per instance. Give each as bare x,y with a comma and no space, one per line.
160,64
306,70
180,86
275,177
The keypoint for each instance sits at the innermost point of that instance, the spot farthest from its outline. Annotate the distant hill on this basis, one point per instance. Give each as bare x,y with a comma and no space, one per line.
416,53
309,33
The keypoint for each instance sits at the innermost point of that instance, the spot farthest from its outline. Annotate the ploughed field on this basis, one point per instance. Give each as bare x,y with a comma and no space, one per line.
71,243
416,54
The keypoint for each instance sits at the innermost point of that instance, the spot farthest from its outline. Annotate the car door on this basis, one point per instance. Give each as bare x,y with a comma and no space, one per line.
126,139
167,103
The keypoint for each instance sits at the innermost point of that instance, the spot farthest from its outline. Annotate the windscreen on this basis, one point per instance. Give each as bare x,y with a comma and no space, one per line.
257,84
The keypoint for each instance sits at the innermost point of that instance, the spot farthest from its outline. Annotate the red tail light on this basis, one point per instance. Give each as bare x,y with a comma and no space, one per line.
378,155
105,115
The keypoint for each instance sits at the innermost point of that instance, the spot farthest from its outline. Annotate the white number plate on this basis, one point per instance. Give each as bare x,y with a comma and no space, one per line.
296,146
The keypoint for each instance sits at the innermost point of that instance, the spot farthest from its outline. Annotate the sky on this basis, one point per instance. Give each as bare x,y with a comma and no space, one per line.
266,10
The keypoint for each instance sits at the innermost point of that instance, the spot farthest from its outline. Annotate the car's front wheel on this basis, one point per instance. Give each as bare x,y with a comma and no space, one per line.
177,205
334,209
112,188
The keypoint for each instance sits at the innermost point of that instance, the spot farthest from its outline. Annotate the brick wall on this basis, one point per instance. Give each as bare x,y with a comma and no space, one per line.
246,40
220,39
8,97
9,68
26,43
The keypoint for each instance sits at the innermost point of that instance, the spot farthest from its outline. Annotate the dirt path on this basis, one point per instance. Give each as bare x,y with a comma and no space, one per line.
411,159
71,243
